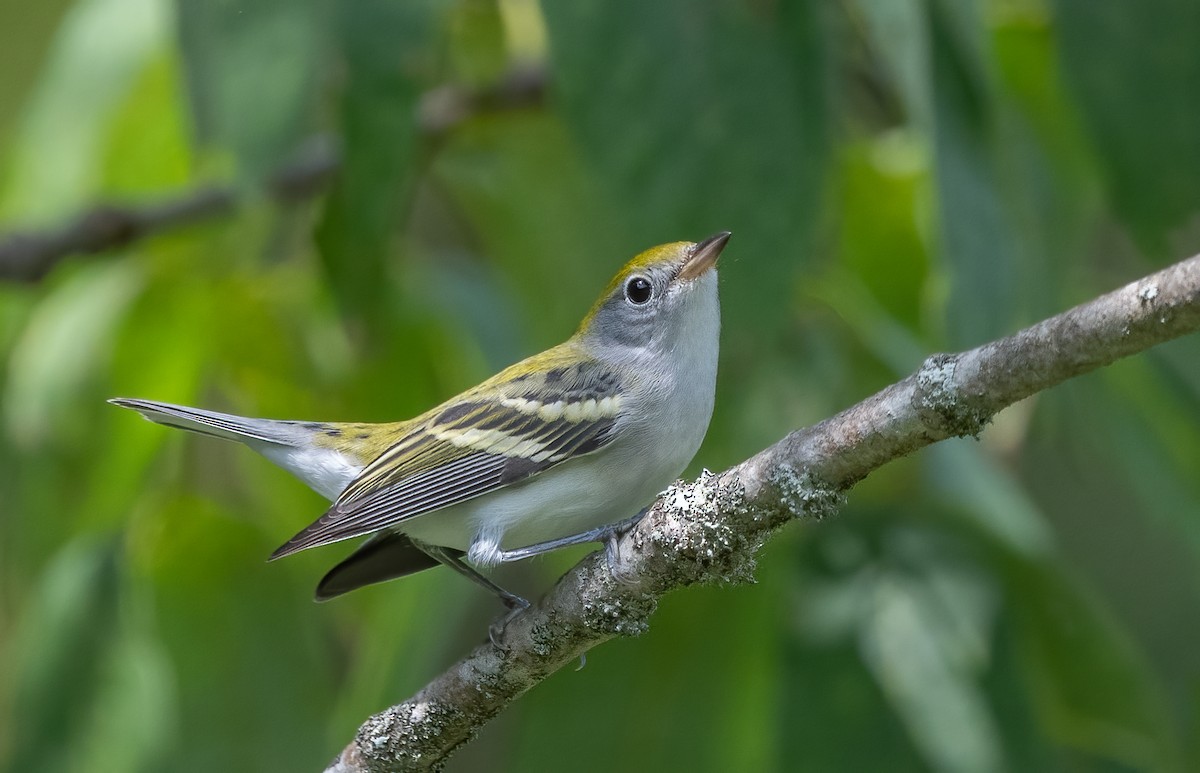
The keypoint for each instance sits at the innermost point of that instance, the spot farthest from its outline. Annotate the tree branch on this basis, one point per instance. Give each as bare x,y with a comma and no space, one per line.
708,531
27,256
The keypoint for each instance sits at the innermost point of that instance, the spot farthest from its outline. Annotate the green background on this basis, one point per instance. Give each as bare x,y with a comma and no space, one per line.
901,177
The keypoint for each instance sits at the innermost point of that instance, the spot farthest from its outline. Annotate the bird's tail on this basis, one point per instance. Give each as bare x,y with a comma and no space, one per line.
222,425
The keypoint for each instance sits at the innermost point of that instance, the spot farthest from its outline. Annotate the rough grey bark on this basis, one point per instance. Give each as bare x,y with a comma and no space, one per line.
708,531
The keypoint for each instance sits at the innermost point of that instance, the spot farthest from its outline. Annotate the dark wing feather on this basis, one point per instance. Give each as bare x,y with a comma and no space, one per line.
482,441
381,558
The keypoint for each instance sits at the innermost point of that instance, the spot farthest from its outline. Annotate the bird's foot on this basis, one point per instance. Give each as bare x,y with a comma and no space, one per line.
612,547
516,605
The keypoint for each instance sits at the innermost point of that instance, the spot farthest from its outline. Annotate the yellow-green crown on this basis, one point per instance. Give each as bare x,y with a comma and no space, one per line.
663,254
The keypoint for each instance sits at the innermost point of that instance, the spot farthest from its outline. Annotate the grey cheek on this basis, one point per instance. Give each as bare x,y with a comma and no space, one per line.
631,328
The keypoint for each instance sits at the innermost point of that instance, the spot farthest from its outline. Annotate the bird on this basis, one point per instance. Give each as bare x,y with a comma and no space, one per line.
549,452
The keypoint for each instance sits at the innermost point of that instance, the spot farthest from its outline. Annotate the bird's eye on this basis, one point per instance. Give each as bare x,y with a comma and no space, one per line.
638,290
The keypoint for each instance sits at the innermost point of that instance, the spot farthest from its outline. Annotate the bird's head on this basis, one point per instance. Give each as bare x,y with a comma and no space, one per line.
663,298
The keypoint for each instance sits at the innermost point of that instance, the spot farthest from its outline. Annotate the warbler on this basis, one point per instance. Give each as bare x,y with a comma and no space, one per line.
548,452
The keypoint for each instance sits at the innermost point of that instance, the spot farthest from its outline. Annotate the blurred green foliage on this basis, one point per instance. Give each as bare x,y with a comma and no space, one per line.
901,176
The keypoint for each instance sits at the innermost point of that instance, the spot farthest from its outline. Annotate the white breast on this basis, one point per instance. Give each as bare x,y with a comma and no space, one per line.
651,450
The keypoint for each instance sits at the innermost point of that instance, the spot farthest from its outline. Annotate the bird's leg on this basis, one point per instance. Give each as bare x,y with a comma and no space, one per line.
515,603
610,535
452,559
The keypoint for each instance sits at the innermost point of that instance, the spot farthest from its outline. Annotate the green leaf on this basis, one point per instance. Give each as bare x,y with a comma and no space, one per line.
133,716
989,497
698,117
924,637
249,661
388,51
24,54
477,43
1051,185
519,182
148,149
1090,687
920,612
1134,72
880,241
251,74
940,63
98,53
690,714
66,340
899,35
976,233
1158,453
62,645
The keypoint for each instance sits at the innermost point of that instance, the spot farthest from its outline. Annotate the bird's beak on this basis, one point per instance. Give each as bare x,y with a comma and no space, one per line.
704,255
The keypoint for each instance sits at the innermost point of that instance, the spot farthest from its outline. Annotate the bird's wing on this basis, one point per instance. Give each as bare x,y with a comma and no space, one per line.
383,557
481,441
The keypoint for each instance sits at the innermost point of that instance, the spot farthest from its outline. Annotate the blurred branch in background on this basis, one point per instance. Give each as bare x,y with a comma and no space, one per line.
708,532
27,256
